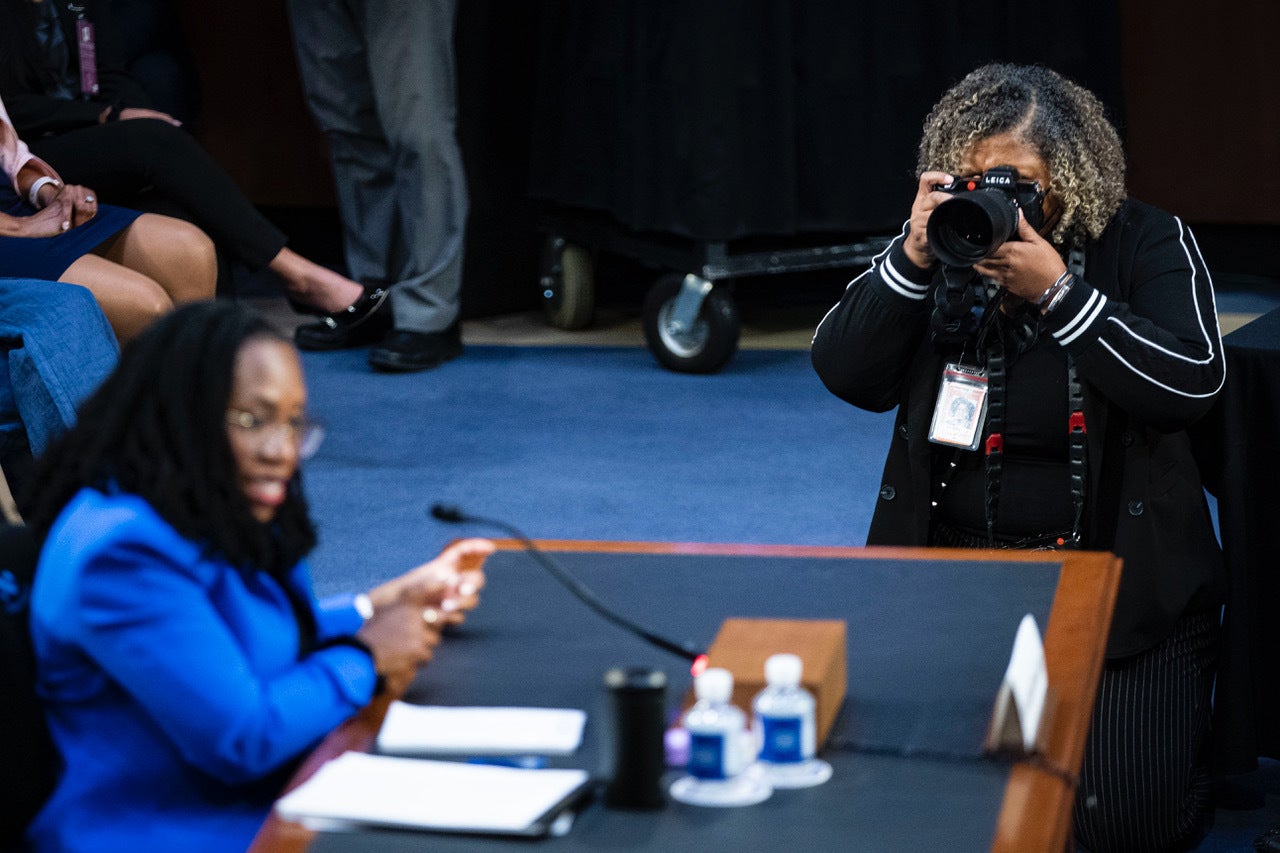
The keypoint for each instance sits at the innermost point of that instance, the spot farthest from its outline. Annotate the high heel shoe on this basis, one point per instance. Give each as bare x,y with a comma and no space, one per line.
362,322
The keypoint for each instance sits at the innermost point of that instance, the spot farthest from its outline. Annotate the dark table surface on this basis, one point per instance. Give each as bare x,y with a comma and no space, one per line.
927,646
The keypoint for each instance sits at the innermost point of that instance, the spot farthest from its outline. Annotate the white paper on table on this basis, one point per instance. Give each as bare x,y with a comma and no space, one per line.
1028,679
415,793
417,729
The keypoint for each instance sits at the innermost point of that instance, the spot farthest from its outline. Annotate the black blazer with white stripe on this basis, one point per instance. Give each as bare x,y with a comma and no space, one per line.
1142,330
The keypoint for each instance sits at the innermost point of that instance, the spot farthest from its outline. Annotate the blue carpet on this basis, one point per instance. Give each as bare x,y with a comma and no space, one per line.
584,443
1256,298
601,443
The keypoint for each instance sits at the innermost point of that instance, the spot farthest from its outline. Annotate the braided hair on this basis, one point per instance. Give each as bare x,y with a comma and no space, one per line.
1064,122
156,428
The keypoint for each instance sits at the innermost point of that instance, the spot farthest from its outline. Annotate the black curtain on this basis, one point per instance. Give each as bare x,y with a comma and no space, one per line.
719,119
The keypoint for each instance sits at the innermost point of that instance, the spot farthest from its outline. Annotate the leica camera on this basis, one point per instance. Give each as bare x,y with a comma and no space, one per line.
982,215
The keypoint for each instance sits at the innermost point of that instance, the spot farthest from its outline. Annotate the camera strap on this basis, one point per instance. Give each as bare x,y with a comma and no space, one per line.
1077,449
997,375
953,319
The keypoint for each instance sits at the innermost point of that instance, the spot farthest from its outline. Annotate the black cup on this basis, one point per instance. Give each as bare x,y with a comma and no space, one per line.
632,730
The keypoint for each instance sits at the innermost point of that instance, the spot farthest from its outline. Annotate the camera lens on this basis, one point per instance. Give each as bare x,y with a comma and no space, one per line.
968,227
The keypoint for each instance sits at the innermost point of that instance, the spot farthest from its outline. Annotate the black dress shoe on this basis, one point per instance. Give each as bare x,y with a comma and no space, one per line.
362,322
402,350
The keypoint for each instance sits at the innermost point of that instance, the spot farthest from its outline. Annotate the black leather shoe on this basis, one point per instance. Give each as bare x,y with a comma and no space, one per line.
362,322
402,351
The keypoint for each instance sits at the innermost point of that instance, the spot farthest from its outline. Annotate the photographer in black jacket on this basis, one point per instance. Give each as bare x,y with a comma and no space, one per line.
1087,336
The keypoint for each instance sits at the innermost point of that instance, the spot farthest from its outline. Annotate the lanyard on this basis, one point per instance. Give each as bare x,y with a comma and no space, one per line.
86,46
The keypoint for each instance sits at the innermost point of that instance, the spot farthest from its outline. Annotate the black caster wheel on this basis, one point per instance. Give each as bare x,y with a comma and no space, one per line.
706,344
568,284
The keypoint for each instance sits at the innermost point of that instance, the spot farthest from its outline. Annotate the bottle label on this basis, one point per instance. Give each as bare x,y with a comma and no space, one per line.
706,756
782,741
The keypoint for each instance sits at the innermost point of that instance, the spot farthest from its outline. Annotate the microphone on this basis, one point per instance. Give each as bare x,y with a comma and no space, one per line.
454,515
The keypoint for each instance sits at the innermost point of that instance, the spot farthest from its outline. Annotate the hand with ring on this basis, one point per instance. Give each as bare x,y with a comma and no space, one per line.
401,644
83,202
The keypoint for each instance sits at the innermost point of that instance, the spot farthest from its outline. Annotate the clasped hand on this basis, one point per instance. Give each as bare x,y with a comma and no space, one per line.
1026,267
61,209
411,610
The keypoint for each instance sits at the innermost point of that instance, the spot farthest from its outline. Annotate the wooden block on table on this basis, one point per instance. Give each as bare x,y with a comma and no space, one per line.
743,645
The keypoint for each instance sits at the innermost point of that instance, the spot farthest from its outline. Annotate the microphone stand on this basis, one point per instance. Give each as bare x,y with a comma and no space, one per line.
454,515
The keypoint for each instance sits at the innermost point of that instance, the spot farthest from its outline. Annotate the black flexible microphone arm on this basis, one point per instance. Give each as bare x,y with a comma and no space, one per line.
454,515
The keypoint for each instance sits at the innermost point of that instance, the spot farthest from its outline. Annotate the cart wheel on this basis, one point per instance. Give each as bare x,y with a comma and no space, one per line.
568,284
704,348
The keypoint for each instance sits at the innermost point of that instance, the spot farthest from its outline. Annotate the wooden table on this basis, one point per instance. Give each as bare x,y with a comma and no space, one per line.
1036,809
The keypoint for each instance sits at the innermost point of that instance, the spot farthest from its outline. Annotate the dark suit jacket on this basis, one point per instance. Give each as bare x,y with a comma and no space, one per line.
35,113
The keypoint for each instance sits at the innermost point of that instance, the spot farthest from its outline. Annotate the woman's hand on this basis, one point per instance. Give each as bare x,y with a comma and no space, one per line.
82,202
139,112
447,586
1027,266
48,222
401,640
916,245
67,205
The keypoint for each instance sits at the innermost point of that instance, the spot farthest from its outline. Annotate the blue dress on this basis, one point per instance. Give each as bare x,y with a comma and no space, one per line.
49,257
172,683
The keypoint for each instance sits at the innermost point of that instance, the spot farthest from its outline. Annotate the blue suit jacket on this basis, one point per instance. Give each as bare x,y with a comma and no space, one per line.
173,684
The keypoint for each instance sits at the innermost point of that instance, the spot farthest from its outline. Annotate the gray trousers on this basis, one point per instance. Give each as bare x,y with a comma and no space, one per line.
379,78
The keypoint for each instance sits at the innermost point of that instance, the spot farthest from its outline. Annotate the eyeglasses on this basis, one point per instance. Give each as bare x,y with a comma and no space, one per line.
305,434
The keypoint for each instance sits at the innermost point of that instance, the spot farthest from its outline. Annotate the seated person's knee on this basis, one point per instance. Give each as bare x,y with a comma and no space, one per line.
153,305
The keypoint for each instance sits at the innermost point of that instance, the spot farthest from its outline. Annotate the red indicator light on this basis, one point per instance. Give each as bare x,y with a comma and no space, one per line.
699,665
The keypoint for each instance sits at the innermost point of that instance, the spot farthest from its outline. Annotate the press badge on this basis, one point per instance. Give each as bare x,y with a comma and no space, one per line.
961,408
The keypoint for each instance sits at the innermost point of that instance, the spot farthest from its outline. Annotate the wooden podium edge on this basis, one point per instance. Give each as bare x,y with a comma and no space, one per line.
1036,813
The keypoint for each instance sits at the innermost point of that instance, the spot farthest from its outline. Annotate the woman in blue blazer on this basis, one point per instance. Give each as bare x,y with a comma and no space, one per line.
184,661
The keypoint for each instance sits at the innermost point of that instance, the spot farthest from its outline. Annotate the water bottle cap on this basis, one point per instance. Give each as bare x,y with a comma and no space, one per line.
783,669
715,685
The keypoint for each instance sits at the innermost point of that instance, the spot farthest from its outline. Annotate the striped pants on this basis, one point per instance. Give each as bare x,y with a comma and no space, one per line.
1145,782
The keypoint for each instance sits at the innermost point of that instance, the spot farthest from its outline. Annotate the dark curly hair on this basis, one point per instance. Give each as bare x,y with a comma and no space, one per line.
1064,122
156,428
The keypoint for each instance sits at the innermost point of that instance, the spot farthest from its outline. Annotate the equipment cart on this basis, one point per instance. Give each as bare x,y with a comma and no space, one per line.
689,316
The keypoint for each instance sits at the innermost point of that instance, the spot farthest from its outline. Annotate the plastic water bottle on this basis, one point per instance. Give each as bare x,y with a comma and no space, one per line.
720,749
784,727
715,728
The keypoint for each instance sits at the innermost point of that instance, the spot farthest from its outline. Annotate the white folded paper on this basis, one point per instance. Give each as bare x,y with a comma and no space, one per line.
1028,679
414,793
430,729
